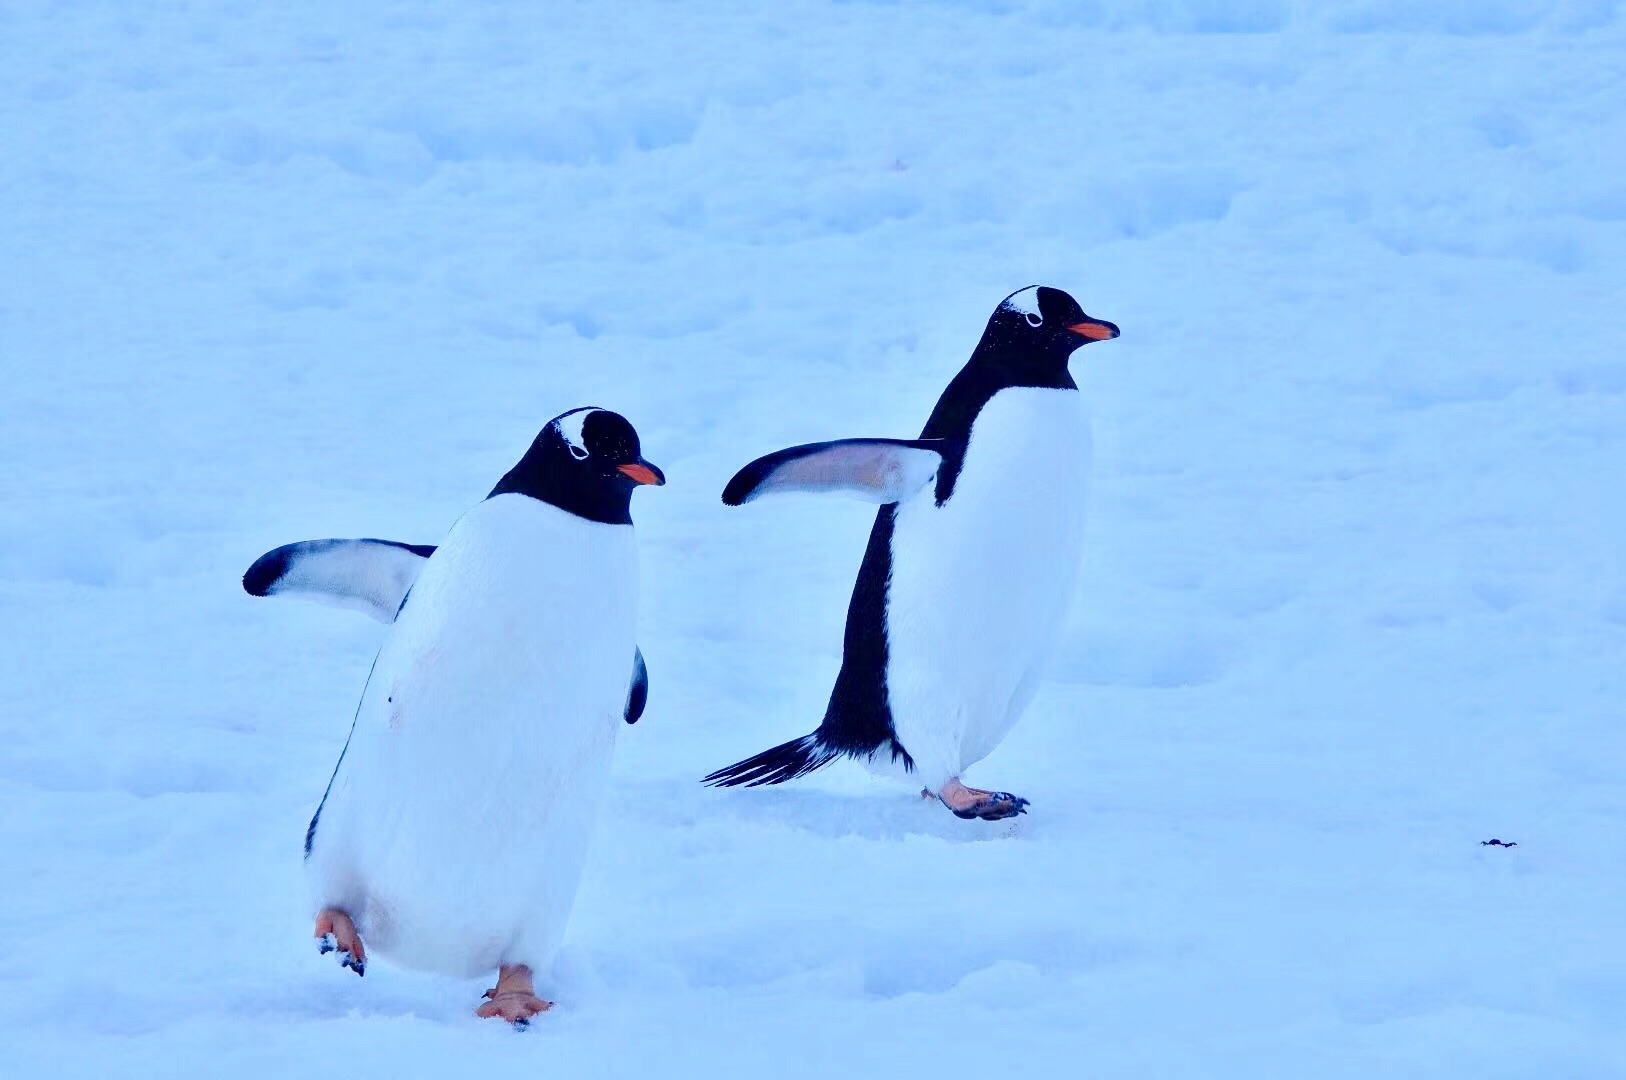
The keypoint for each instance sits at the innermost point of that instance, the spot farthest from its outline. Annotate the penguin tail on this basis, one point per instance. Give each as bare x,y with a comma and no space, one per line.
784,762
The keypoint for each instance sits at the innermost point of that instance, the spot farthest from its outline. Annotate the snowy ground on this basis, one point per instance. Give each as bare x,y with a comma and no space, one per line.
1354,599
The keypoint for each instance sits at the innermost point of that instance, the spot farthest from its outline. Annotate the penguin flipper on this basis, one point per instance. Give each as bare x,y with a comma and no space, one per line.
638,692
875,470
372,576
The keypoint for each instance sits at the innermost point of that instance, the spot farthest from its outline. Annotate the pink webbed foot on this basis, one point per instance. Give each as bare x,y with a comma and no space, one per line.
335,932
970,802
513,998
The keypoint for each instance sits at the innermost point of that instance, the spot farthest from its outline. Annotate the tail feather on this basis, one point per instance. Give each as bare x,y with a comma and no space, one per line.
784,762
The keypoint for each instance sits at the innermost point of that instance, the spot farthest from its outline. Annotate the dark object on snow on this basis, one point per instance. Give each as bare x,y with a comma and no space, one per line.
1493,842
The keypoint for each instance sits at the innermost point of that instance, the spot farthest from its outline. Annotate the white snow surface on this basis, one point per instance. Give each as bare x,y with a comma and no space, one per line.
1353,597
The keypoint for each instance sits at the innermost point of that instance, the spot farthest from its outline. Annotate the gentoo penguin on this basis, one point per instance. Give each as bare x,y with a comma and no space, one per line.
452,834
970,563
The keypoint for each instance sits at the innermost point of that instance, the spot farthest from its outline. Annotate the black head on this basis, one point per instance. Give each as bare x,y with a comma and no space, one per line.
586,461
1040,327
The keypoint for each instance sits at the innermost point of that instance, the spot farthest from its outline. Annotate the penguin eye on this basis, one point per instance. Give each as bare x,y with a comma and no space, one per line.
1035,319
577,452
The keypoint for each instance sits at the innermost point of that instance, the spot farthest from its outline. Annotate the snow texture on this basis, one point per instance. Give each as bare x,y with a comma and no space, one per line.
1352,601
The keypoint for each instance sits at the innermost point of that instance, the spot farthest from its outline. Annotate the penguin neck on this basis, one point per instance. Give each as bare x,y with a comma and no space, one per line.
594,498
1022,359
995,365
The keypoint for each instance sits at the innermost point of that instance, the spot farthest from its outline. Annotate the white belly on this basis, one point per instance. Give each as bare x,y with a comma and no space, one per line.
460,815
981,584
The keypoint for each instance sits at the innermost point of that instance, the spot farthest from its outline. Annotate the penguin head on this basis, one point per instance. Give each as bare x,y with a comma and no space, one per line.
600,445
587,461
1042,326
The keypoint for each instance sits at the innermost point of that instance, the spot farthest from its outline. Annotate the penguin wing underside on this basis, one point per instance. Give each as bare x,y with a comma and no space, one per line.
875,470
372,576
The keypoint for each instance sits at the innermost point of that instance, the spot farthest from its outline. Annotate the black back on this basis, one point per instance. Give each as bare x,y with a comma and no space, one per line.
1014,351
575,463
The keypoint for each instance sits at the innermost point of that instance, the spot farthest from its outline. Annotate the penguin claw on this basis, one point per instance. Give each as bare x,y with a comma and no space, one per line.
989,806
1003,805
336,933
513,998
516,1007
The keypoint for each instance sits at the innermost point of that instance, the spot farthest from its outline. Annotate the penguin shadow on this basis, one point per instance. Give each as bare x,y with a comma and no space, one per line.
879,815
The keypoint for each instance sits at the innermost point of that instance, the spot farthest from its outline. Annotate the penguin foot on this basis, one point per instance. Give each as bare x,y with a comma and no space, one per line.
513,998
969,802
336,933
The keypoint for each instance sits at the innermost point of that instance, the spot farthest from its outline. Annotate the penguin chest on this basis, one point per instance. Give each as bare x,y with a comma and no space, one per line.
980,584
515,646
484,736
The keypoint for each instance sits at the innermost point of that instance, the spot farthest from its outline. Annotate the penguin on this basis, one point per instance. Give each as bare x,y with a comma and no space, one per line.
452,833
969,567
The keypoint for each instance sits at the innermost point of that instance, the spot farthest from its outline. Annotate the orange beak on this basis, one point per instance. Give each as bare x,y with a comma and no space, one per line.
1095,331
643,473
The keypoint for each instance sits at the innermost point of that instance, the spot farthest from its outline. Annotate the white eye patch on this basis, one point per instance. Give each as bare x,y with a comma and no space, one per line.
570,429
1027,302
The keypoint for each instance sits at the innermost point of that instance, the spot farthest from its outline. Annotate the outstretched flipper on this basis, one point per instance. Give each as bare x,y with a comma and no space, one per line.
875,470
372,576
638,692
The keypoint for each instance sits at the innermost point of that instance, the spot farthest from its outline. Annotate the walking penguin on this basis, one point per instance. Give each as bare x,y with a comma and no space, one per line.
970,564
452,834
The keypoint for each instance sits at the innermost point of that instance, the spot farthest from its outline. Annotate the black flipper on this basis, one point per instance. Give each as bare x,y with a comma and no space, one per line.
638,692
875,470
373,576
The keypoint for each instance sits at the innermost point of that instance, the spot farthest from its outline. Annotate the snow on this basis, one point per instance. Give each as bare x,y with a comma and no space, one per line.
1353,599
